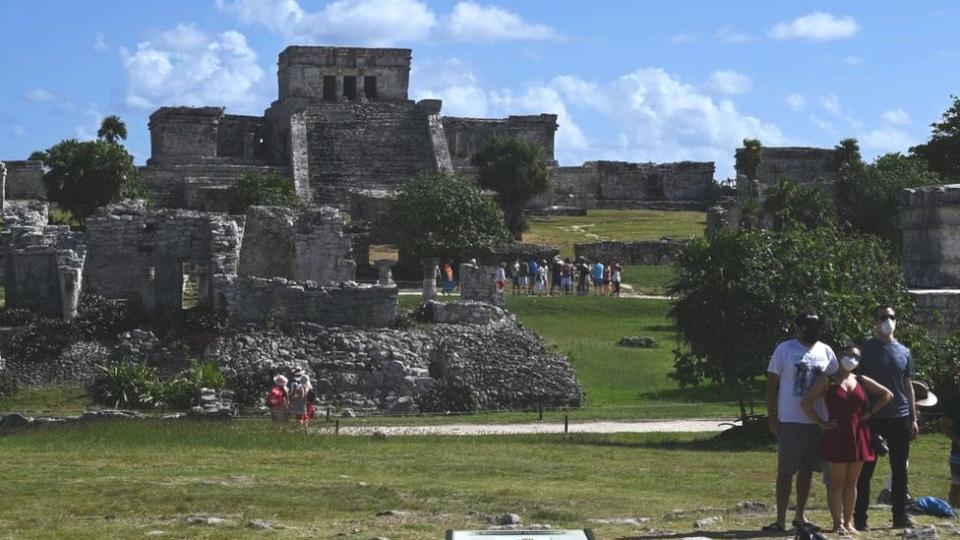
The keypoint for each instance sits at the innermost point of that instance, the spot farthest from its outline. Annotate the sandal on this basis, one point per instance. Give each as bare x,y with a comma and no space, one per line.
774,527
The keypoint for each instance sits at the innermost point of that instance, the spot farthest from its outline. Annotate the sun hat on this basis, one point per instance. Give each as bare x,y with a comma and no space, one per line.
925,398
280,379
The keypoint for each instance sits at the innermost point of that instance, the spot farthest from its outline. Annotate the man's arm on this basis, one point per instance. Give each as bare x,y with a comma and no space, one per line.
773,385
912,401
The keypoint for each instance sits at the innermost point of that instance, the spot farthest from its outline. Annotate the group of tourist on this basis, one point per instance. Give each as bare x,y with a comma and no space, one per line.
845,413
293,396
561,276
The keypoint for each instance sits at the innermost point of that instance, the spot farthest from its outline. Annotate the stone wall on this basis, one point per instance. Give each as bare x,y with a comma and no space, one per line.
149,254
466,137
930,222
25,180
937,310
655,252
479,283
800,164
278,301
184,134
267,247
618,184
199,186
43,268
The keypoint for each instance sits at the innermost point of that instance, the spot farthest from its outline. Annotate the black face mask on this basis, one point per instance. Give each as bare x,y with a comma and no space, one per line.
810,335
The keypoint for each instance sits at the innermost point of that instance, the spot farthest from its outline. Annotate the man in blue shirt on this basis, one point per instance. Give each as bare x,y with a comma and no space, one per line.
889,362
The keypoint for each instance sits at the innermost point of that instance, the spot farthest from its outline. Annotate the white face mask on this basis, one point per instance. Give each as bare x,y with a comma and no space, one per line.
849,363
888,326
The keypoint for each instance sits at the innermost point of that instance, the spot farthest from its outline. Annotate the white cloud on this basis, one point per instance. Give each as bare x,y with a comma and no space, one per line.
366,22
683,38
185,66
452,81
852,60
825,125
729,34
17,131
816,26
887,139
727,81
100,43
796,102
42,95
470,21
831,104
536,99
87,129
896,117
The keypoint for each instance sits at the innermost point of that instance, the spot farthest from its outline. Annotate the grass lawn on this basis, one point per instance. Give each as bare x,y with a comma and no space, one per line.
625,225
648,278
139,479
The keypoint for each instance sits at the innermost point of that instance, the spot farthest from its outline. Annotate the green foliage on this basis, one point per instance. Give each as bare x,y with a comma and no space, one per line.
83,176
937,363
137,386
848,154
254,189
444,397
8,385
127,385
43,340
748,161
793,205
39,155
942,151
868,195
737,294
442,215
516,171
112,130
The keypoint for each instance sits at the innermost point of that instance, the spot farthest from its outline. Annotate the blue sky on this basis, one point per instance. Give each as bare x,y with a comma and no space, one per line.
630,80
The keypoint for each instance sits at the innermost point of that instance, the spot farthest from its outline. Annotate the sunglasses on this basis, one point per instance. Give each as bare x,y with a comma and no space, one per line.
887,317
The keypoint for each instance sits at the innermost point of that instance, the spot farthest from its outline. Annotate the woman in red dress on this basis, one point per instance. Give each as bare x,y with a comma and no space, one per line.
846,435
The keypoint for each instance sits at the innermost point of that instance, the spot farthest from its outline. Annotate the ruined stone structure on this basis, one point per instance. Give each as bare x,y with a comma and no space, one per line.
43,268
24,180
618,184
800,164
930,221
651,252
479,283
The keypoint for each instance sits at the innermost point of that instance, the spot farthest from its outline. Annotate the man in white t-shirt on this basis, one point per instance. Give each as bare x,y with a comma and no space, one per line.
795,364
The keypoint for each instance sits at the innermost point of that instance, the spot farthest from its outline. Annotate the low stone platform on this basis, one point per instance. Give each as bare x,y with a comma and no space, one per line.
937,310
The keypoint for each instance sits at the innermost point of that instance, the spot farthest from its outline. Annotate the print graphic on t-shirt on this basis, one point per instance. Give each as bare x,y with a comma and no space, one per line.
804,375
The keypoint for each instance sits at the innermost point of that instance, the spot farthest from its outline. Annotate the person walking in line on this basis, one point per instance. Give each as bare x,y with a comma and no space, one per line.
501,276
596,275
795,365
542,277
583,277
566,277
607,273
533,272
846,435
890,363
277,400
556,275
298,397
308,398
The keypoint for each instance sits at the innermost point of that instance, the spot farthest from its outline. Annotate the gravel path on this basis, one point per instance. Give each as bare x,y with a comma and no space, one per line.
660,426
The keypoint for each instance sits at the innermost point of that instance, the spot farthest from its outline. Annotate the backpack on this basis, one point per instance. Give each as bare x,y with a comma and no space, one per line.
932,506
806,532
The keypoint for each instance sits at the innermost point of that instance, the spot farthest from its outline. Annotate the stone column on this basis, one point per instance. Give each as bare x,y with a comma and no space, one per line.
386,272
930,222
429,280
340,96
70,285
3,186
148,288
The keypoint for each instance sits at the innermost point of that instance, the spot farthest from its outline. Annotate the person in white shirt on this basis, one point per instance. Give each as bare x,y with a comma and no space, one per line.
795,364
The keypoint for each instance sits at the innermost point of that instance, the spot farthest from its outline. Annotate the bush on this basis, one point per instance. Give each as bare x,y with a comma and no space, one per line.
8,385
255,189
17,317
100,318
248,390
446,397
43,341
182,393
127,385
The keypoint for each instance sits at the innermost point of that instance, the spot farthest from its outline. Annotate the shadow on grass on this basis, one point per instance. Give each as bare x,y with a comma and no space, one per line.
738,438
713,534
666,328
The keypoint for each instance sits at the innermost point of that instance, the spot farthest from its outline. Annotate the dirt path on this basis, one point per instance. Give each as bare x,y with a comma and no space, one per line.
659,426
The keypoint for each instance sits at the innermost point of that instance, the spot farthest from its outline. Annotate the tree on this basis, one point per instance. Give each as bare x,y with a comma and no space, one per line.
942,151
515,170
112,129
868,195
791,205
848,154
254,189
442,215
83,176
736,296
39,155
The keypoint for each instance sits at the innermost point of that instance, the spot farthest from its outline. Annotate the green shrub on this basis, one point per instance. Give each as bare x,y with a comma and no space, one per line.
17,317
43,341
255,189
248,390
127,385
8,385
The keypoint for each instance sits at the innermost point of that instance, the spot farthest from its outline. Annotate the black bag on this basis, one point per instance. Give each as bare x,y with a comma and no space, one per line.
806,532
879,444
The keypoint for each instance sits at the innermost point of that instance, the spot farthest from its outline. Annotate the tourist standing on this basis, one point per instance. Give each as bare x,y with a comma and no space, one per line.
607,273
501,276
542,278
596,273
516,275
524,274
583,276
308,397
566,277
616,276
795,365
533,272
846,436
298,398
556,274
277,400
889,362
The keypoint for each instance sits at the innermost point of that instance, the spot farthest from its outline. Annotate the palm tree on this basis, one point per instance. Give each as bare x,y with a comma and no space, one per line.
112,129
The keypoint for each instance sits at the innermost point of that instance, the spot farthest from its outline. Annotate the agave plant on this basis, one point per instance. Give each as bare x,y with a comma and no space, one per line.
127,385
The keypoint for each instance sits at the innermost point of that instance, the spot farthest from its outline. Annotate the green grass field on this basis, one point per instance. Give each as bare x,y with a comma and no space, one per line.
140,479
624,225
